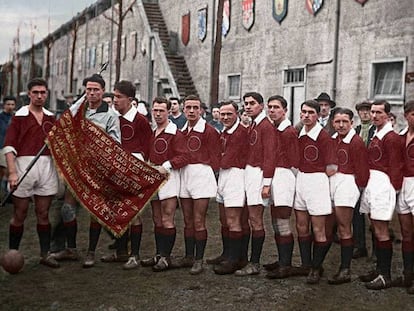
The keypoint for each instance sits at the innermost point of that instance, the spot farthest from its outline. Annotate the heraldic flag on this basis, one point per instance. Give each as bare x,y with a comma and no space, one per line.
108,181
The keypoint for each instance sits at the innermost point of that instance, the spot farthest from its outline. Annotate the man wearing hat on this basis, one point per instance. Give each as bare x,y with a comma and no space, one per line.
326,104
366,131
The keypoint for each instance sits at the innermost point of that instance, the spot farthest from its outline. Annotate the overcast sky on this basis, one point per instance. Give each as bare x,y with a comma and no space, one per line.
33,16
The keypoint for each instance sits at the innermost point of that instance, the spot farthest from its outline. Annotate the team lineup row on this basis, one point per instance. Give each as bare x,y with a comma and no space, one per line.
302,171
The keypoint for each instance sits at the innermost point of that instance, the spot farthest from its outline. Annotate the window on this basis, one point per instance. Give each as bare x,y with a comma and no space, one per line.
137,89
134,44
88,58
233,83
388,79
65,66
100,53
114,48
92,57
296,75
107,49
123,47
81,58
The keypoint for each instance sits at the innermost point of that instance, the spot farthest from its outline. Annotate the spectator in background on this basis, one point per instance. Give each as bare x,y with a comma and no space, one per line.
244,118
215,121
143,107
176,116
9,105
325,104
205,114
108,98
366,131
393,119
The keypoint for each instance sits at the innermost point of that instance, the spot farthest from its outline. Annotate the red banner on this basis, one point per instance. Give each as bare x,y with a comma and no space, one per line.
185,28
108,181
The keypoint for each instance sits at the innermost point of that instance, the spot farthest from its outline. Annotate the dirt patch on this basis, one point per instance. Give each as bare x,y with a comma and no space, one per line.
107,287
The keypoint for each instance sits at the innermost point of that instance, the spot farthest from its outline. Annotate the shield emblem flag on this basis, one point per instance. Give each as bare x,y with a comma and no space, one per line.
225,28
185,28
280,10
248,13
202,23
362,2
313,6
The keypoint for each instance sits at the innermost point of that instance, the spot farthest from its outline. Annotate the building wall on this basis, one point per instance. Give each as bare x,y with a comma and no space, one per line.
94,40
379,30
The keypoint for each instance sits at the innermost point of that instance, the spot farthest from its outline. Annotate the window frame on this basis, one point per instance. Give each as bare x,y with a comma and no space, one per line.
372,79
237,97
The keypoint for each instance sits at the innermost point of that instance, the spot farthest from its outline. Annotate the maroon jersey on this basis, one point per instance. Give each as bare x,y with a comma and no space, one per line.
385,154
26,135
233,147
353,157
262,137
408,155
136,133
287,139
203,144
170,146
316,149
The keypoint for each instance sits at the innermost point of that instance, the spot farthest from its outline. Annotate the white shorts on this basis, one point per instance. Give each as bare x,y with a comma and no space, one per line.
230,190
312,194
283,187
253,185
406,197
171,188
41,180
197,182
378,198
344,191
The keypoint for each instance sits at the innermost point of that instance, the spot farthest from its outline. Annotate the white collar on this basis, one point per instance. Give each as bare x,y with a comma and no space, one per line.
313,133
24,111
404,131
385,130
171,128
284,124
347,139
234,127
260,117
199,127
130,115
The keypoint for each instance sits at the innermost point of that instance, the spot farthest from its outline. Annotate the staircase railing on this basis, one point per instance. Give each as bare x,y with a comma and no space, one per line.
159,48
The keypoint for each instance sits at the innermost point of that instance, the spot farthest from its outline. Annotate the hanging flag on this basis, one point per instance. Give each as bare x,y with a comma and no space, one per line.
226,18
313,6
362,2
108,181
280,10
202,23
248,13
185,28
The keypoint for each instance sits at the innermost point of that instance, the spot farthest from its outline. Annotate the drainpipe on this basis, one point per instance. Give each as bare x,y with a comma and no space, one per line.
150,67
336,42
85,57
213,32
110,45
